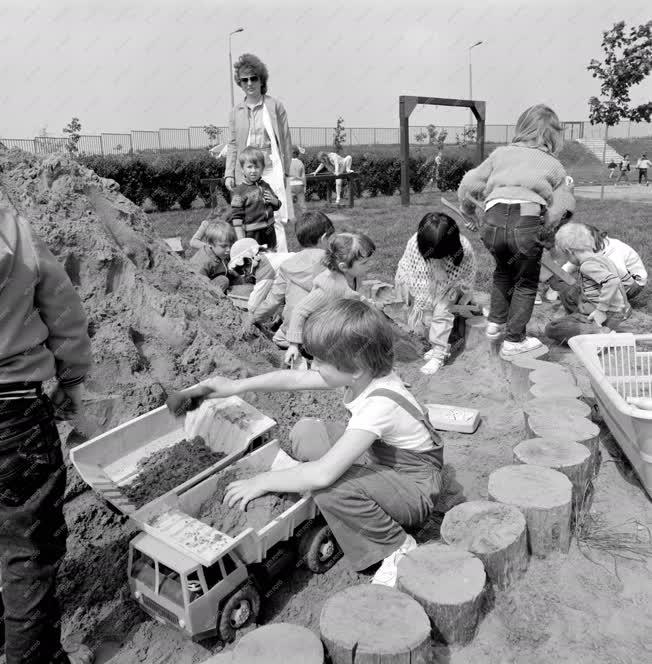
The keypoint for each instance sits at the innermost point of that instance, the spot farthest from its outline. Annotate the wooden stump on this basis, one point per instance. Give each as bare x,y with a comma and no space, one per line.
573,428
475,333
520,369
373,624
494,532
558,408
544,496
281,643
545,391
552,375
449,584
569,458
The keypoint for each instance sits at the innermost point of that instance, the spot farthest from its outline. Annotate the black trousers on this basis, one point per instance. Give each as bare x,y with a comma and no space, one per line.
32,529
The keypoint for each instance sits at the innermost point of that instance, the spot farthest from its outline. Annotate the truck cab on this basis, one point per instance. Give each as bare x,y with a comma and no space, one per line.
174,589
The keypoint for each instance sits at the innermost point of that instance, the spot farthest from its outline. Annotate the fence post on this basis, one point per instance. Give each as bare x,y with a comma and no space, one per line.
131,144
325,136
189,145
101,145
158,135
374,135
506,134
300,142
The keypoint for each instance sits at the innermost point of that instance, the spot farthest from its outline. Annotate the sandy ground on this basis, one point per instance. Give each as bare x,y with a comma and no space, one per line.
154,326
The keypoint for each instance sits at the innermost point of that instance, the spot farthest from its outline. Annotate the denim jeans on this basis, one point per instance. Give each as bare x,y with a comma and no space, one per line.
511,234
562,329
32,530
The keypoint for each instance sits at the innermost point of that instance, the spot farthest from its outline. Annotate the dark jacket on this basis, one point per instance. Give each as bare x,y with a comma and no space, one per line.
239,126
44,327
206,263
248,208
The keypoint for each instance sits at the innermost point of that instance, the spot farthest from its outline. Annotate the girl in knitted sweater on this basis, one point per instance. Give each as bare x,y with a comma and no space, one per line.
437,269
523,188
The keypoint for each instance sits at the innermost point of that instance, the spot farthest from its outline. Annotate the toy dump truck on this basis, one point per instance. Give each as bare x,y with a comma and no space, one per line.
182,571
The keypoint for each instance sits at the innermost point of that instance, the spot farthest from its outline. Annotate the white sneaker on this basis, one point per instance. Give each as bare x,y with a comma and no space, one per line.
386,573
552,295
511,348
436,351
432,366
537,299
495,330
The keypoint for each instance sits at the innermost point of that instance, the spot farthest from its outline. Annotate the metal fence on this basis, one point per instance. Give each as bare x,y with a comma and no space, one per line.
196,138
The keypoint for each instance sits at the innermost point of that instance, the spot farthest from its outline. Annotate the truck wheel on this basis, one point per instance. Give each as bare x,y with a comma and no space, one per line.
240,610
319,549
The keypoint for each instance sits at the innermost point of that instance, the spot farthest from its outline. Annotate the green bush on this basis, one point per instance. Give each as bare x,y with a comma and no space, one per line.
451,172
167,179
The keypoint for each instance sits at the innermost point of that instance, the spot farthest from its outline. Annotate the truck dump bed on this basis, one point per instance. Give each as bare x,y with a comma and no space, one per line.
173,518
110,461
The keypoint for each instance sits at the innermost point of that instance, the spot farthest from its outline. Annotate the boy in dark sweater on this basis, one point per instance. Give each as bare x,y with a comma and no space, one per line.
253,202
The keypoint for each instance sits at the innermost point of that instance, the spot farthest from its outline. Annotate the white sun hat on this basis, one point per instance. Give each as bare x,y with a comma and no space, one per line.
242,249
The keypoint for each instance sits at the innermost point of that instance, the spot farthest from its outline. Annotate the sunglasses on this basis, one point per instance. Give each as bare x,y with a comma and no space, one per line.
250,79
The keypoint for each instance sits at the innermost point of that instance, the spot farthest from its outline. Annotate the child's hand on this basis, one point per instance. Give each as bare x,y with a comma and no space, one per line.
248,329
268,197
220,388
241,492
179,404
598,317
292,355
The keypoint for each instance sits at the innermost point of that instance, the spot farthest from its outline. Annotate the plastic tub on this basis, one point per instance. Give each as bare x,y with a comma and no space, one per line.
620,366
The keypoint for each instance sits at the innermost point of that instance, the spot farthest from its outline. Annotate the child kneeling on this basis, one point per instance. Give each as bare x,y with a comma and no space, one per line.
602,301
366,505
212,258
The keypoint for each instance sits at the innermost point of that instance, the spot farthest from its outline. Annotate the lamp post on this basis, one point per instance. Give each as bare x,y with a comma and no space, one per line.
470,79
231,64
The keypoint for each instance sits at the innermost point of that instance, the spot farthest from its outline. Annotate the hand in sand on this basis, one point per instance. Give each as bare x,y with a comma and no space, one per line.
67,401
241,492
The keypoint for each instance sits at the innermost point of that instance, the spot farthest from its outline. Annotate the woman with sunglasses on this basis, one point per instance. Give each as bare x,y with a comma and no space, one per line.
260,121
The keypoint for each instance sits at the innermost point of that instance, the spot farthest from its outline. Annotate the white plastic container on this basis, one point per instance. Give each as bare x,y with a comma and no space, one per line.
620,366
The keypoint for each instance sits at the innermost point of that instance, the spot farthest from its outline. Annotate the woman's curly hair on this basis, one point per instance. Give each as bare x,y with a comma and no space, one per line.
256,65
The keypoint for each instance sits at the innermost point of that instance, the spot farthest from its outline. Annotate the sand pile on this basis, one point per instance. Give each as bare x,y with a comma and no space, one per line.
155,326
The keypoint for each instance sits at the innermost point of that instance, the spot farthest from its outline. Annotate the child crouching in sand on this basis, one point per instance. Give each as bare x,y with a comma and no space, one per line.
437,270
366,506
602,301
345,260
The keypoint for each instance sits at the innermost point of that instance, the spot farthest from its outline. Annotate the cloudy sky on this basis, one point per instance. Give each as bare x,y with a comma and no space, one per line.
147,64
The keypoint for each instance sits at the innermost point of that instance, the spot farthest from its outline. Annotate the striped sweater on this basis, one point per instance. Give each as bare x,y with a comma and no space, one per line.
601,287
521,173
327,286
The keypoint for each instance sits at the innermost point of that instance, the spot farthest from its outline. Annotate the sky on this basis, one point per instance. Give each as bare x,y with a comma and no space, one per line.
146,65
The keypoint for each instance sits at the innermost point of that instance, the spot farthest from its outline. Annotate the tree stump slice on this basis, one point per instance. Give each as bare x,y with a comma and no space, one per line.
449,584
536,354
373,624
544,496
495,533
521,367
281,643
559,408
569,458
552,375
475,333
546,390
575,429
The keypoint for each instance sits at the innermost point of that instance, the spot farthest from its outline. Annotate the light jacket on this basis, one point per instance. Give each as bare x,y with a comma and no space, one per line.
239,126
44,327
292,283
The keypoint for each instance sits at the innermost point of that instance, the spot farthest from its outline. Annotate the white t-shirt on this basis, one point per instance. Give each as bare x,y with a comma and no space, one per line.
386,419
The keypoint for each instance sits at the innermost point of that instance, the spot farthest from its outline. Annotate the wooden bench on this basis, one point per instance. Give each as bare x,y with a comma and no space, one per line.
331,177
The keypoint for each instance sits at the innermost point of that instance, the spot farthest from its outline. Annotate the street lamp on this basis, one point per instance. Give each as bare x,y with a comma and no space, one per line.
470,79
231,63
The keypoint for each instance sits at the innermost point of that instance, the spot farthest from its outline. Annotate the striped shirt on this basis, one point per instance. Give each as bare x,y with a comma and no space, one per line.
601,286
258,137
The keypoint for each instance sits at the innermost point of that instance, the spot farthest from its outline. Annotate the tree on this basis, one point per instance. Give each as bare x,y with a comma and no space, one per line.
213,133
73,129
339,135
627,62
467,136
436,136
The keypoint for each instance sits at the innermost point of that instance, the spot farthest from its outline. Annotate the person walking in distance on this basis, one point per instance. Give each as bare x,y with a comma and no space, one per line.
624,168
642,165
44,335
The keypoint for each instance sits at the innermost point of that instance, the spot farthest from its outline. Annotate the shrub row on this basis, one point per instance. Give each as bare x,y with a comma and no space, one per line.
175,178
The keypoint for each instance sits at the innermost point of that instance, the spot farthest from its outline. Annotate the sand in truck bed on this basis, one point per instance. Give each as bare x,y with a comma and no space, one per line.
232,520
166,469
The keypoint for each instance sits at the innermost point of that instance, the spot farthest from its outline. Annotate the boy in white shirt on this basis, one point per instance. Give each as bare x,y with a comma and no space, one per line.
366,506
643,164
298,180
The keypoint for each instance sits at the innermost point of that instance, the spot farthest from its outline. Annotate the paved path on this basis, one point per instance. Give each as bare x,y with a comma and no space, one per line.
632,193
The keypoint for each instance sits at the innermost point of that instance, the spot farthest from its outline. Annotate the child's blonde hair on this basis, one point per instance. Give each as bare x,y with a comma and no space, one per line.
219,231
350,335
347,248
254,155
539,126
572,237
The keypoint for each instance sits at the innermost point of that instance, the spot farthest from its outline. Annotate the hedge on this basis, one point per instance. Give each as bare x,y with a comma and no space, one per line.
175,178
